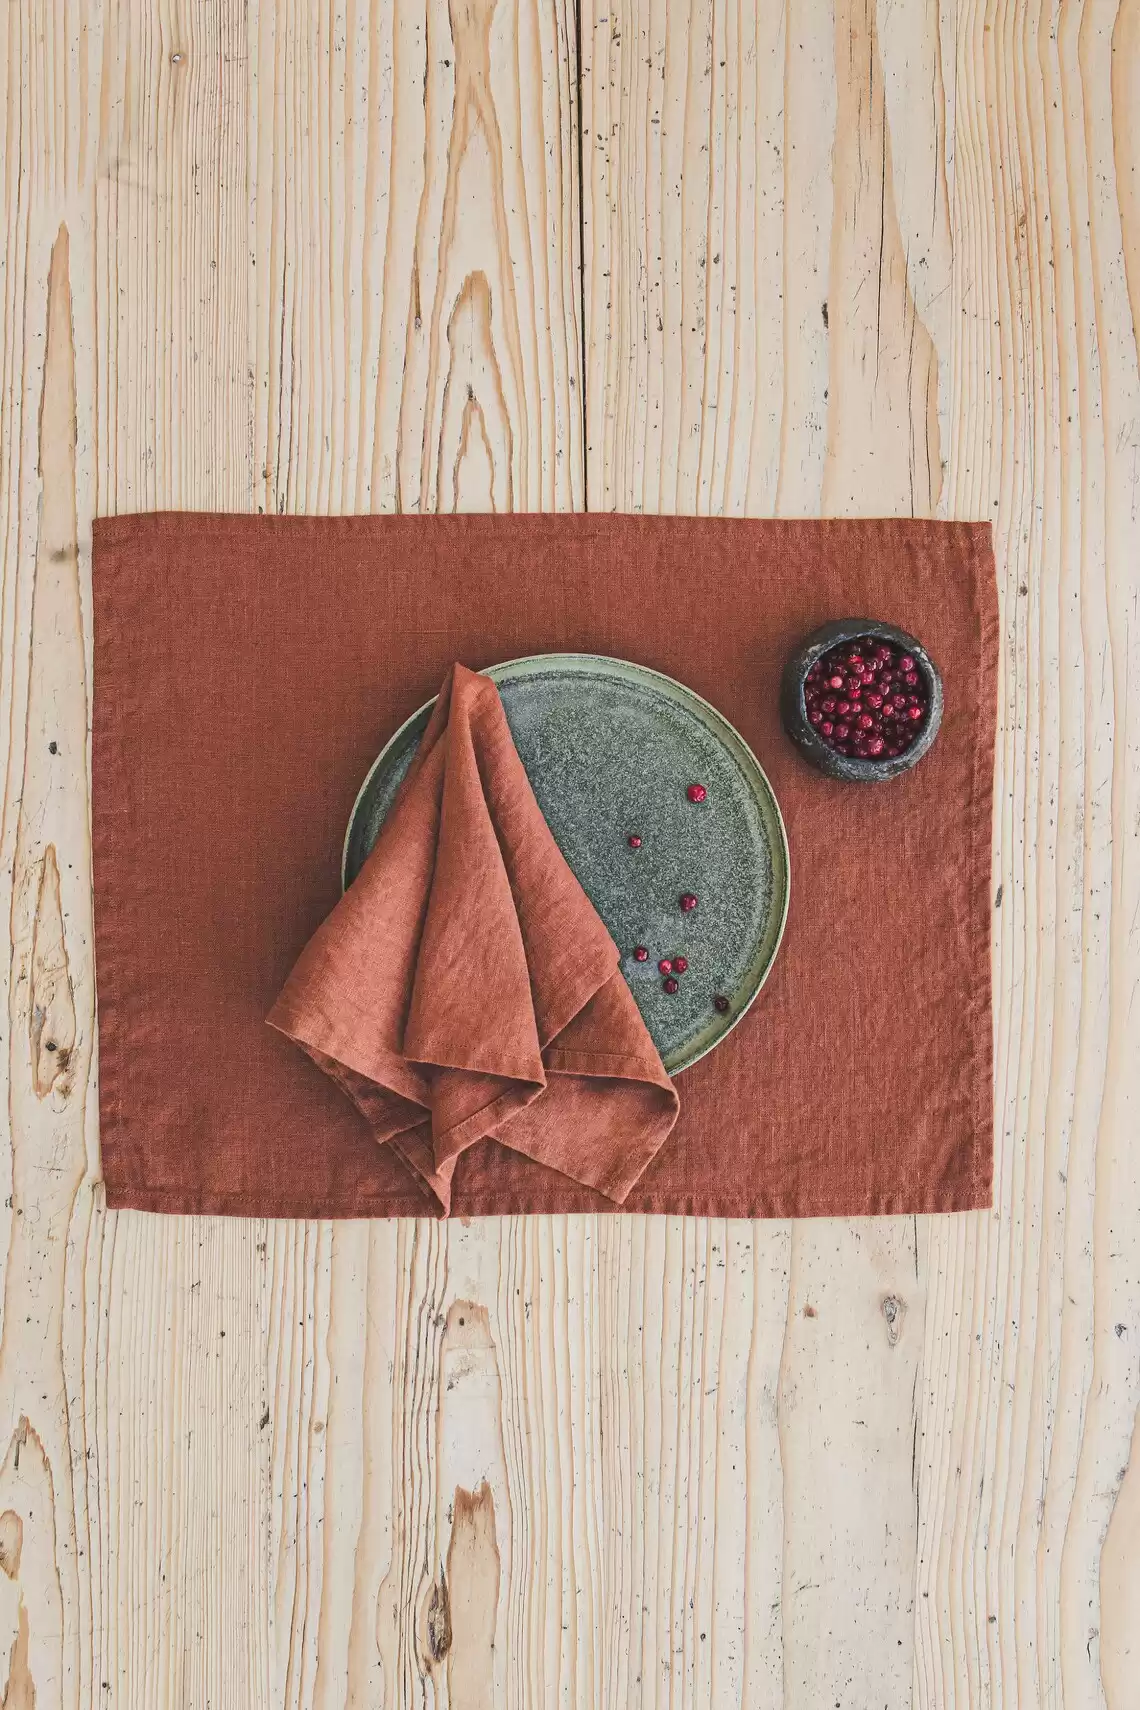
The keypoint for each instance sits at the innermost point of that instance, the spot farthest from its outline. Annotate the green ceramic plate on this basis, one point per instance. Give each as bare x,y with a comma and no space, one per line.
610,749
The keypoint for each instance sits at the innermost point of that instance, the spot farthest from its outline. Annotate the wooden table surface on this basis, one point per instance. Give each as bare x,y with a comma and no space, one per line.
376,254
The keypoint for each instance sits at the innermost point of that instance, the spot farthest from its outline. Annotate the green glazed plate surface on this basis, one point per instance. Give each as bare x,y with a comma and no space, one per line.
610,749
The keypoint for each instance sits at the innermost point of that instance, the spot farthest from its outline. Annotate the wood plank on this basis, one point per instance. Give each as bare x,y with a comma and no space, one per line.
789,310
50,999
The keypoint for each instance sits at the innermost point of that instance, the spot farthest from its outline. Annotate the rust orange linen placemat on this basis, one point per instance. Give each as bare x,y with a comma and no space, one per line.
249,669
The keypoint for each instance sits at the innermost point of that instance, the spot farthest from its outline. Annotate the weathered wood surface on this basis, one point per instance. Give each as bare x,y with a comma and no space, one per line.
802,259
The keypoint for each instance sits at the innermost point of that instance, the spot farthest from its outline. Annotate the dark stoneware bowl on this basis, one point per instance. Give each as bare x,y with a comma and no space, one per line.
794,711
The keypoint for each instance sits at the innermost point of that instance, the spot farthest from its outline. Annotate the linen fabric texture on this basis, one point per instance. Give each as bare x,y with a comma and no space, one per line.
465,986
247,671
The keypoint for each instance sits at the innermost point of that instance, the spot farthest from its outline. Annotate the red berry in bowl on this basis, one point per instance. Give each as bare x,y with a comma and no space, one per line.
870,699
665,966
688,902
641,954
680,964
634,840
720,1004
696,792
670,985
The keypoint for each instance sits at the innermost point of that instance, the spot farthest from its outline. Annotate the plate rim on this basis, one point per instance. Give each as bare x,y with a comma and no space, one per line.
581,659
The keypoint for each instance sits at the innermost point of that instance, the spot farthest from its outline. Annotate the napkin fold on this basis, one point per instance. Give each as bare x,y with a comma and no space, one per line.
465,989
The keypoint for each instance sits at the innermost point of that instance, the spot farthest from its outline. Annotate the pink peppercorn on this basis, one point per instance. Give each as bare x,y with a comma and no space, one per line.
883,700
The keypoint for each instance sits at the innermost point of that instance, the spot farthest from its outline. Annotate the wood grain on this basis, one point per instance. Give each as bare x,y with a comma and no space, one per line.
845,258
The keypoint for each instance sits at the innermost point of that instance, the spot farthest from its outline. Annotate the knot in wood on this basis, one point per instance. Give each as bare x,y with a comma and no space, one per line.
894,1311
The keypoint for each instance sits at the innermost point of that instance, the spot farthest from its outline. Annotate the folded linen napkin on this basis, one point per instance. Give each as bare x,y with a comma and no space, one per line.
464,987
